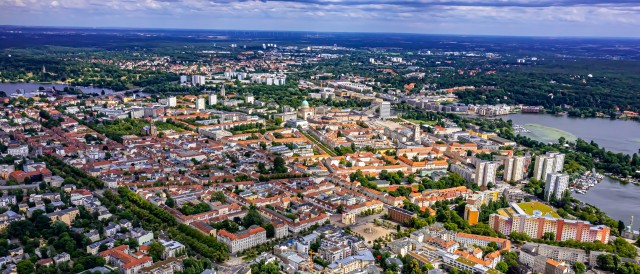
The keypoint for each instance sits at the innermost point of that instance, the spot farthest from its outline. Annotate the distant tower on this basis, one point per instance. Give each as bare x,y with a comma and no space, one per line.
222,91
416,133
153,130
44,70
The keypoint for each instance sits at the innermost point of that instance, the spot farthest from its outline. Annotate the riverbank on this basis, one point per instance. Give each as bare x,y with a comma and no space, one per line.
617,200
11,88
619,136
622,181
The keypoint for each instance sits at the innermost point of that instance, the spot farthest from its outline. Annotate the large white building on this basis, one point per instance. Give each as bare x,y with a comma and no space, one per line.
549,163
243,240
18,150
486,173
269,79
200,104
198,80
385,110
514,168
172,101
213,99
556,184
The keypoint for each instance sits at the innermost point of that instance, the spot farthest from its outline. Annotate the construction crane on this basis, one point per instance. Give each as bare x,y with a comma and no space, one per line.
311,253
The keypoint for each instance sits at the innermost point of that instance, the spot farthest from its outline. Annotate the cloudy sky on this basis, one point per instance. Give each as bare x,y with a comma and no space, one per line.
620,18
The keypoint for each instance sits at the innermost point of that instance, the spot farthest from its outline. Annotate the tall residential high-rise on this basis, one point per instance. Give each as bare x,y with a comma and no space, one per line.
514,168
200,104
198,80
213,99
183,79
558,160
222,91
549,163
416,133
385,110
556,184
485,173
172,101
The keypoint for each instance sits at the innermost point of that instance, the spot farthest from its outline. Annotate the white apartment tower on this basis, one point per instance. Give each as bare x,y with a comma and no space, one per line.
213,99
416,133
172,101
514,168
200,104
485,172
549,163
385,110
198,80
556,184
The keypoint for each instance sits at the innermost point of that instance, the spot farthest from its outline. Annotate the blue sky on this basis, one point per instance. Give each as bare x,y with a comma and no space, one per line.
619,18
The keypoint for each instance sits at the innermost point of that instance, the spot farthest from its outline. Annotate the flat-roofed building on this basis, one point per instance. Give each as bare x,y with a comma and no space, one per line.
401,215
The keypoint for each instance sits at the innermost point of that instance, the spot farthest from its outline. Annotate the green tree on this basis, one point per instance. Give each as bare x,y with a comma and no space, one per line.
25,267
252,218
170,202
156,250
502,267
414,267
271,230
608,262
279,165
218,196
268,268
579,267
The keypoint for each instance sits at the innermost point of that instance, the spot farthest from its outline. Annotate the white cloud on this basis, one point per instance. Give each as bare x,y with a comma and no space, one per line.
351,15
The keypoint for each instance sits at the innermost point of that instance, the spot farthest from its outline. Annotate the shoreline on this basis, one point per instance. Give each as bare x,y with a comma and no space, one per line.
547,113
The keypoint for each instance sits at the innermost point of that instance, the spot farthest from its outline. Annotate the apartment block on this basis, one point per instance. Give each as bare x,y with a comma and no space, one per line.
401,215
243,240
549,163
514,168
537,226
555,185
485,173
470,240
126,261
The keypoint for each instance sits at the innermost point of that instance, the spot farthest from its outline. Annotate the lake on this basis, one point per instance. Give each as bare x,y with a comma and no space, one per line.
614,135
619,201
10,88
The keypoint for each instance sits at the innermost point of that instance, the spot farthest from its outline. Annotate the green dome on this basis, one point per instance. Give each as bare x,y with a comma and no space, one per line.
305,103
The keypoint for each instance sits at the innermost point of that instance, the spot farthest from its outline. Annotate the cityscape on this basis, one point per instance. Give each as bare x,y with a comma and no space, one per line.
177,151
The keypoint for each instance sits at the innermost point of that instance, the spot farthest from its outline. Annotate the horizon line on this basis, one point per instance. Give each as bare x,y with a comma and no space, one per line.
329,32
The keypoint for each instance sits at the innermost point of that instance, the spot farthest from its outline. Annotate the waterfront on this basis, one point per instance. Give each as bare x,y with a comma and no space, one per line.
10,88
614,135
619,201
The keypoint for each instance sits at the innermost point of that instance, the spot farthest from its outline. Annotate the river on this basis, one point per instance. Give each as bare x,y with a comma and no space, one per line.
10,88
614,135
619,201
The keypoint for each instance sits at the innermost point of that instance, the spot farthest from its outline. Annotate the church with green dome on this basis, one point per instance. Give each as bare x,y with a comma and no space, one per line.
305,111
